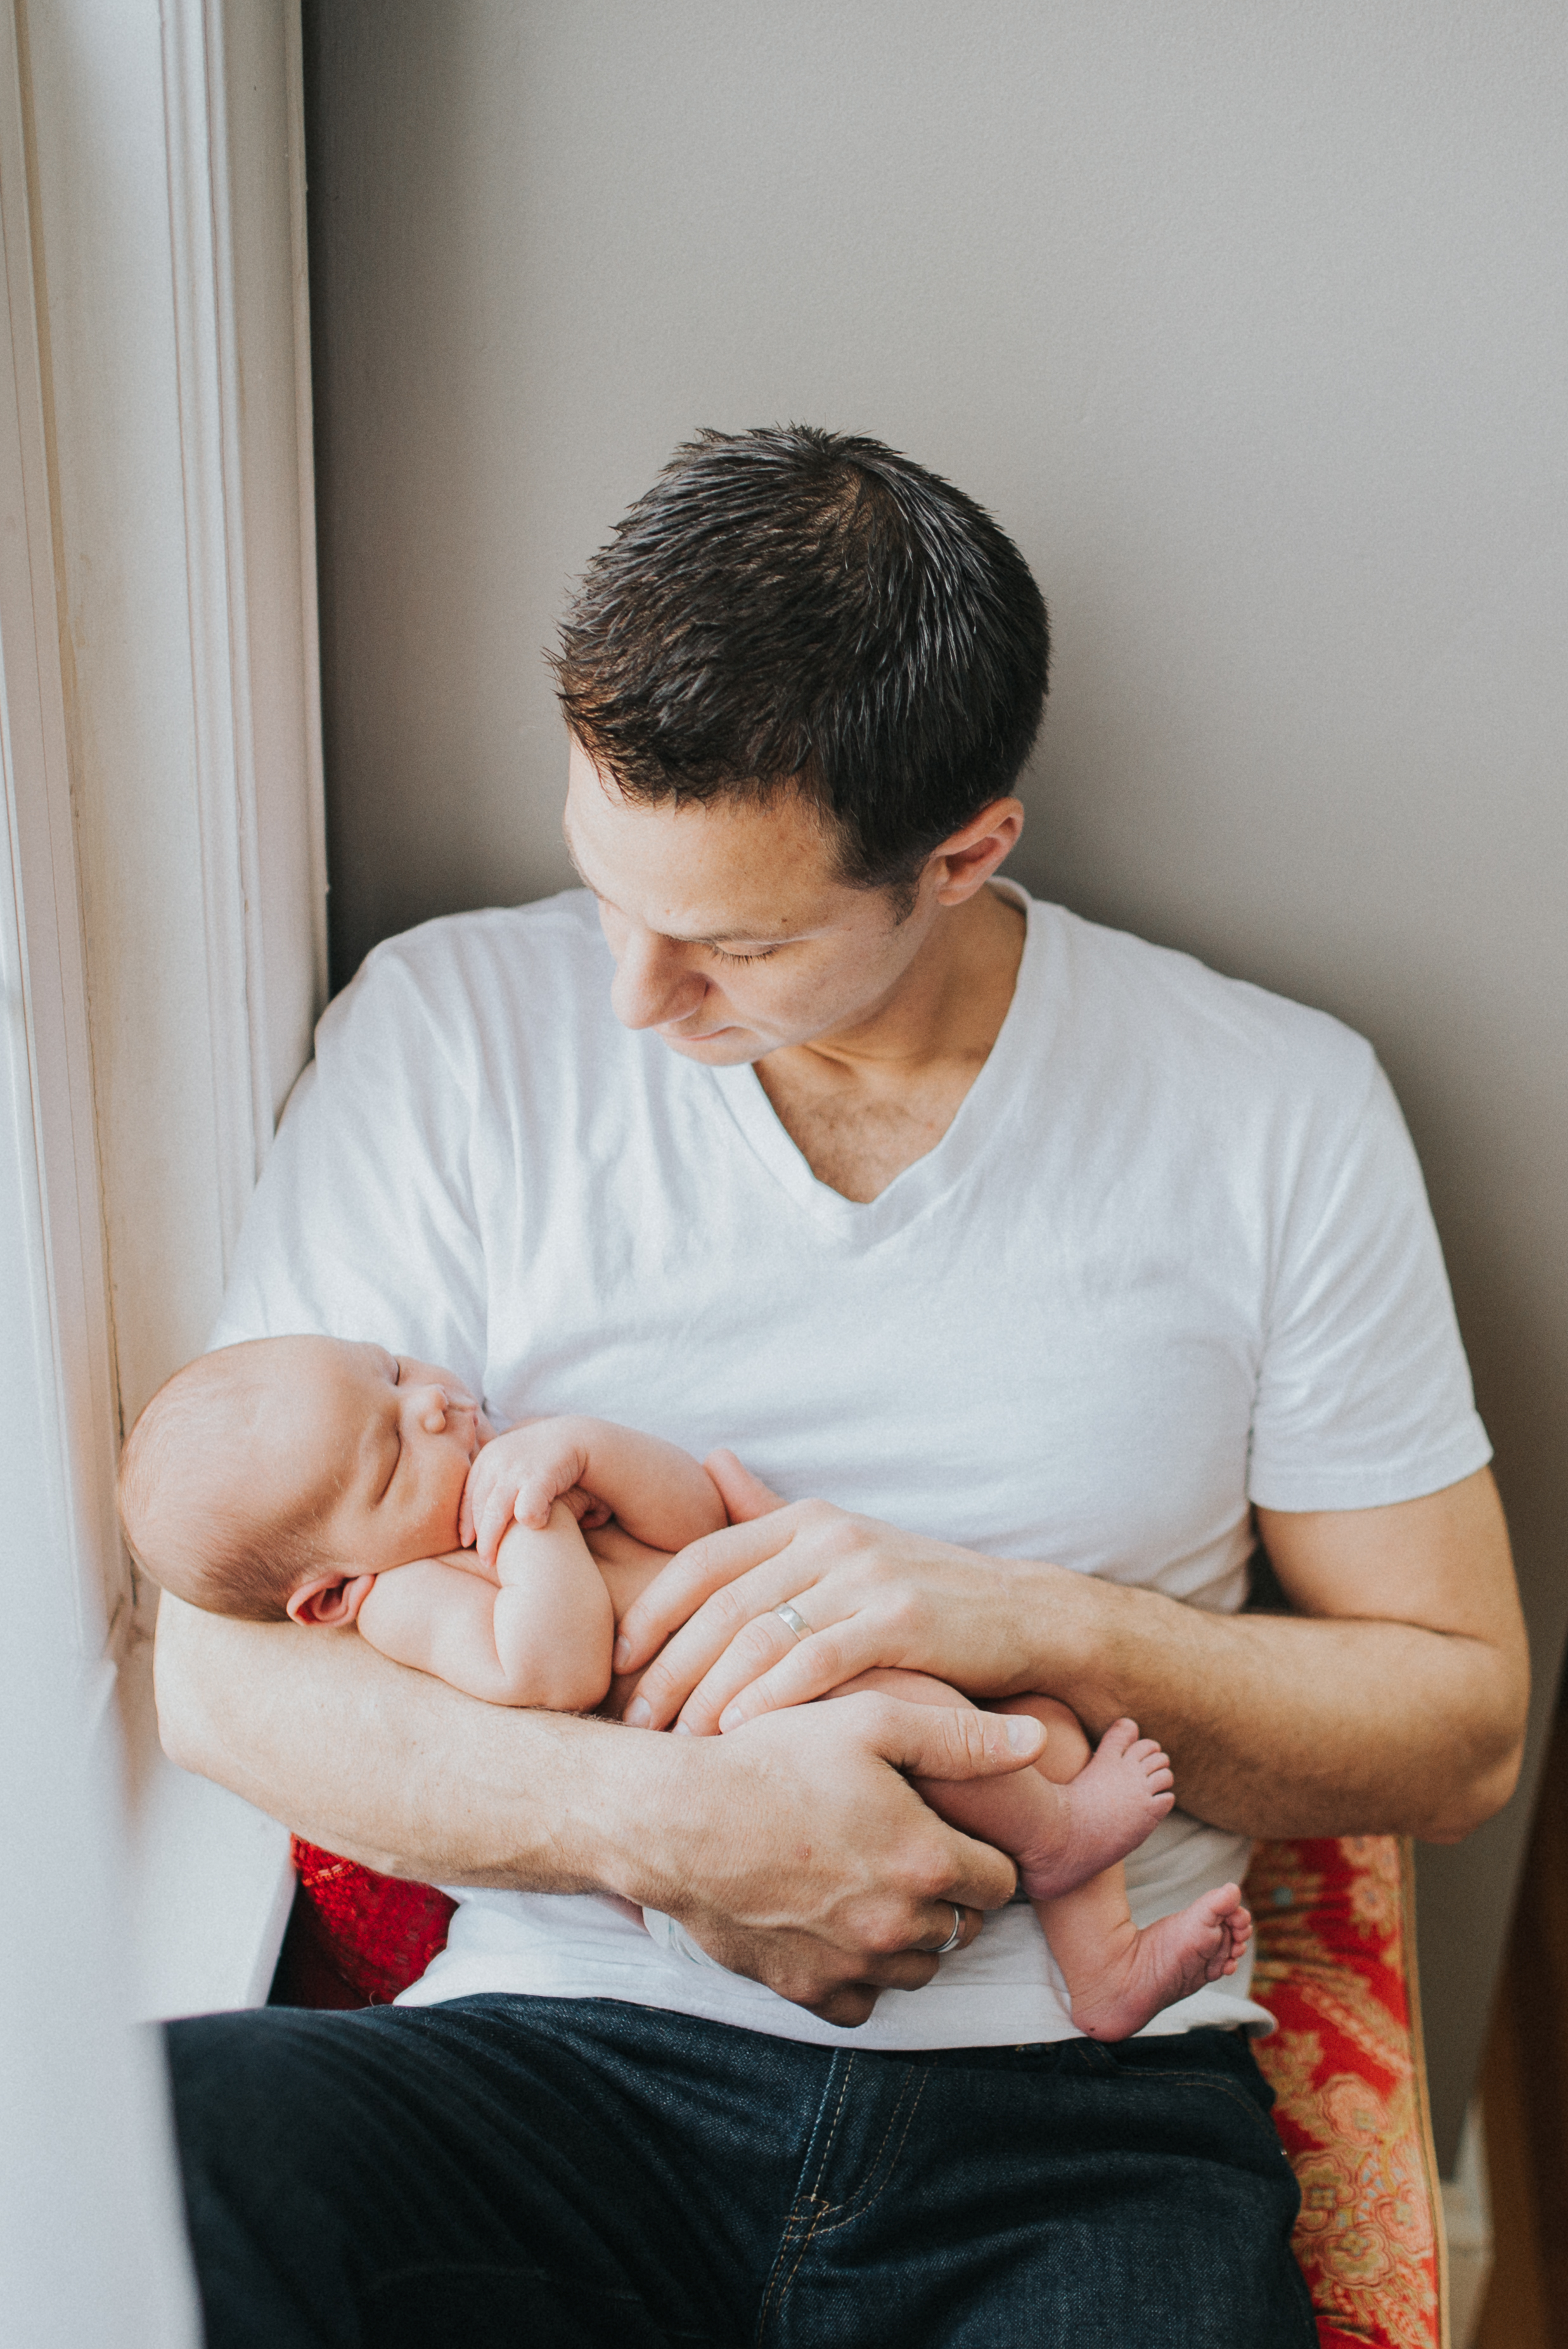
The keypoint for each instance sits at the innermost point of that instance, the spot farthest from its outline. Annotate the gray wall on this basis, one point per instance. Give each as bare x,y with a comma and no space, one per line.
1247,319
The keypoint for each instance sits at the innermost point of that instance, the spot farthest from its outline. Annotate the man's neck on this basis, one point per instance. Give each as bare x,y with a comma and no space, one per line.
864,1103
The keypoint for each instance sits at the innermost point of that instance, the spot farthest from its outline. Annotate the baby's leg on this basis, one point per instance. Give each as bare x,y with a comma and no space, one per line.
1067,1815
1117,1977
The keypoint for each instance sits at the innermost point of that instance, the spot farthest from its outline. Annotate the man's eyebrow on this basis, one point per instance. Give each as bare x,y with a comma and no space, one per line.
703,938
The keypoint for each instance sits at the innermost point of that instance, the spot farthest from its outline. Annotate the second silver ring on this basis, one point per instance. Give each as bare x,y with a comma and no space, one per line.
794,1622
956,1936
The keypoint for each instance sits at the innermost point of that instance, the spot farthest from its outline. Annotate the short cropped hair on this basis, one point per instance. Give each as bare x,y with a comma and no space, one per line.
202,1550
795,609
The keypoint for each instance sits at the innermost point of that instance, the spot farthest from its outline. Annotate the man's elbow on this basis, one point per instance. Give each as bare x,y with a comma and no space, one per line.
1462,1807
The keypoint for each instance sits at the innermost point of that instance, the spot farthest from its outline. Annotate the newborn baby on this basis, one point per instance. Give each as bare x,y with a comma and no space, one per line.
336,1483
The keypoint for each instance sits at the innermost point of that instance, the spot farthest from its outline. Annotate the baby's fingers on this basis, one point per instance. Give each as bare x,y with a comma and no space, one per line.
495,1515
536,1496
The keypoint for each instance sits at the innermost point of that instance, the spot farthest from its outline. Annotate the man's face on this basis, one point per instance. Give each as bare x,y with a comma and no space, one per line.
732,933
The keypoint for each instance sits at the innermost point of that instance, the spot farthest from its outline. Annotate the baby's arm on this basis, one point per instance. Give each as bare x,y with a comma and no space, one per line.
657,1493
539,1635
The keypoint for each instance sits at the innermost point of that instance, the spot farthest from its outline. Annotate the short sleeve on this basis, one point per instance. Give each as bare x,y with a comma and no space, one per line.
363,1224
1364,1395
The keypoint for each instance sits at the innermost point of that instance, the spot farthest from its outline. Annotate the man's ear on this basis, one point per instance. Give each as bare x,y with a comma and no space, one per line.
965,861
330,1599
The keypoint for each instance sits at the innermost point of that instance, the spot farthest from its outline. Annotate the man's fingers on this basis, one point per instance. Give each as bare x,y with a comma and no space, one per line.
693,1576
910,1969
735,1635
852,2002
766,1669
934,1742
850,2006
745,1496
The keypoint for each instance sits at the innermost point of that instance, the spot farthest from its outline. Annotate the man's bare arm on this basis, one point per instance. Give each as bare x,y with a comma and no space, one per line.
1393,1702
396,1769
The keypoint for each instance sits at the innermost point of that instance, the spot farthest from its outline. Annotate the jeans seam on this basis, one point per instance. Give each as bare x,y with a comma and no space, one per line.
829,2218
845,2214
796,2216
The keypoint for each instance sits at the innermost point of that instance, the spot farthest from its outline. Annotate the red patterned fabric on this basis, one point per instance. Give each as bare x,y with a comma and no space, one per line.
355,1939
1336,1968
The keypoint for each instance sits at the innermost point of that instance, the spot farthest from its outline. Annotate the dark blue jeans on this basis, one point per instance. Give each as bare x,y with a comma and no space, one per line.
536,2172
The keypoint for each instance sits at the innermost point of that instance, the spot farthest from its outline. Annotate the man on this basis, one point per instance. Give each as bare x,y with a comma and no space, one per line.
1069,1266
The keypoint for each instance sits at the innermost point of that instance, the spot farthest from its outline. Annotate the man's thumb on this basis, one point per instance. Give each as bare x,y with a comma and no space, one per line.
957,1742
745,1496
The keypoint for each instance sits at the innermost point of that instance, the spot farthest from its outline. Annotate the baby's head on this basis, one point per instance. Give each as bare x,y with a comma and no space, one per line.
280,1477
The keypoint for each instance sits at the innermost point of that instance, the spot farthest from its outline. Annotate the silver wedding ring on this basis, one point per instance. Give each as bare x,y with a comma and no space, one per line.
954,1937
797,1623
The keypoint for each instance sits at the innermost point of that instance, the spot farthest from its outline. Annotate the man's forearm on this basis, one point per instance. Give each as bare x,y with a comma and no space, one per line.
1392,1701
388,1766
395,1768
1287,1725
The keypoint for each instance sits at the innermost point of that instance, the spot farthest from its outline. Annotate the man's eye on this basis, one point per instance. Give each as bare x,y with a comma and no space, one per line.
760,956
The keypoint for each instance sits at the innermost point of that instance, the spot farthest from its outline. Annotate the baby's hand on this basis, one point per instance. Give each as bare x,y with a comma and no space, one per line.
520,1477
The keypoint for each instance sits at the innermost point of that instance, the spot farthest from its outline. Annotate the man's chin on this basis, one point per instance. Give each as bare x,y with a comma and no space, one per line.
726,1047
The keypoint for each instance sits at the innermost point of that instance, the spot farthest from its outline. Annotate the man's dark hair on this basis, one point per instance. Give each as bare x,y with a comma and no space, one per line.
789,608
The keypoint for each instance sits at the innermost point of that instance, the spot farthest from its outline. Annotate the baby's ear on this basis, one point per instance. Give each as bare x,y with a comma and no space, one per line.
331,1599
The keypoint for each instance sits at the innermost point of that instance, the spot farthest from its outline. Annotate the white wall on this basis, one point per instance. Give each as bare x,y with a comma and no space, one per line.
1246,319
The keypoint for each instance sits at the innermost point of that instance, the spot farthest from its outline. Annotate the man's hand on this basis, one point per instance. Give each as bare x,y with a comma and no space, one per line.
872,1596
1391,1701
804,1858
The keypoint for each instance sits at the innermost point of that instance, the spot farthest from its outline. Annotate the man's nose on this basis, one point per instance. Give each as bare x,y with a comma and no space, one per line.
652,986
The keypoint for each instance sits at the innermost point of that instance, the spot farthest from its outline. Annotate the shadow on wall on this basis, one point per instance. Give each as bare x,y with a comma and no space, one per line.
389,376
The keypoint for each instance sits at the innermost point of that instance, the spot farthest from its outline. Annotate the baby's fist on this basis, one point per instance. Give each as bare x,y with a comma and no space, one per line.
520,1478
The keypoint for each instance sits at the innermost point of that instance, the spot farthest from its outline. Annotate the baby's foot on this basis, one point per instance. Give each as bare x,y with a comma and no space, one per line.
1123,1790
1166,1961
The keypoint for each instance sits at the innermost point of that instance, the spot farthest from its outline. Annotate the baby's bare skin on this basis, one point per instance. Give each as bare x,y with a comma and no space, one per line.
526,1617
503,1565
1068,1822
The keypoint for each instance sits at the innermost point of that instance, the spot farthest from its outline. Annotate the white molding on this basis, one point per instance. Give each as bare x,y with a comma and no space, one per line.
92,2242
207,356
67,1244
170,175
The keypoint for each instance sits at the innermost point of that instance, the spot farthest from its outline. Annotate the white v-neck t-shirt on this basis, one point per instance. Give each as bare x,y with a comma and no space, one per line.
1172,1257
